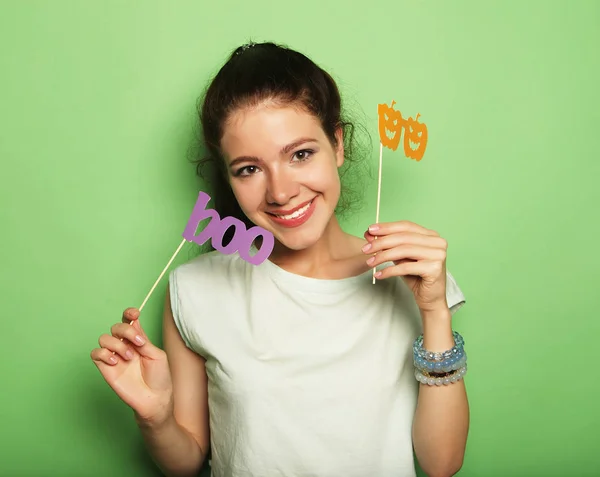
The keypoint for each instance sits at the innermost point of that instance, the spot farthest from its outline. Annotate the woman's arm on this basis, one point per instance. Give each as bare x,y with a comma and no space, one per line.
441,422
180,445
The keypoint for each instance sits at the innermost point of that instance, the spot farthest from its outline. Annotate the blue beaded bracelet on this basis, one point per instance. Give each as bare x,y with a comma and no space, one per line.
445,366
452,362
459,343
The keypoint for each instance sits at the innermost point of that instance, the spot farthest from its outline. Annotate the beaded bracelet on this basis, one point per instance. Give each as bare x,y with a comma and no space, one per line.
445,366
441,367
459,343
442,380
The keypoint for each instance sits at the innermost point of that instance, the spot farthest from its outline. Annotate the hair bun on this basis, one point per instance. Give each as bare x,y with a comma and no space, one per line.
244,47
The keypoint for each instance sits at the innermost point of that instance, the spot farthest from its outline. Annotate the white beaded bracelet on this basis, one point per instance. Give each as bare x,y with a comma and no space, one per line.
439,381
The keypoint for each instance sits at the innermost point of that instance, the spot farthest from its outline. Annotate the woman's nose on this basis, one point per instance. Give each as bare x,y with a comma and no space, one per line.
281,187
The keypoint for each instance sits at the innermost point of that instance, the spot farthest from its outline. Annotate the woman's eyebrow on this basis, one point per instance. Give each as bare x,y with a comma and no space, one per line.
296,143
284,150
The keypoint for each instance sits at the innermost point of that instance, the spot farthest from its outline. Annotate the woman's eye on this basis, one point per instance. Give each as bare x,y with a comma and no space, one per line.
303,155
246,171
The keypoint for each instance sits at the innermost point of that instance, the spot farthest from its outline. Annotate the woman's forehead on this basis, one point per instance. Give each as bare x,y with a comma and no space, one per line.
268,126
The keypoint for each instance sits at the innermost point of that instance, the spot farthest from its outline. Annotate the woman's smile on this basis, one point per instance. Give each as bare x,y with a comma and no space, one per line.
294,217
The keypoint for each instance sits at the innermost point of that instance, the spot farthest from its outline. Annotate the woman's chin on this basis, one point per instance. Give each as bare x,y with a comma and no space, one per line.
296,241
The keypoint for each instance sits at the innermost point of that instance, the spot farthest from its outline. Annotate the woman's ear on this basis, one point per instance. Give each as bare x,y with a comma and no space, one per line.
339,152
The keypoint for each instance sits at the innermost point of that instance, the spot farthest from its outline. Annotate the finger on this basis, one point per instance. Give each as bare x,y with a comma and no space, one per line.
407,251
123,348
417,269
368,237
137,338
128,332
137,325
394,240
130,314
103,355
386,228
132,317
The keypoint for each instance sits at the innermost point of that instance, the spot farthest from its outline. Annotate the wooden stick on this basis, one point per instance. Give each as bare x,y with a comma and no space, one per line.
378,196
160,276
157,281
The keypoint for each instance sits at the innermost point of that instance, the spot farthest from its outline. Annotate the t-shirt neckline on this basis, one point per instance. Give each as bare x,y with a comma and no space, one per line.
311,284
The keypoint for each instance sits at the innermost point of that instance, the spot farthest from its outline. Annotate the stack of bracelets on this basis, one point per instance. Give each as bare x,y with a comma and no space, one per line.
442,368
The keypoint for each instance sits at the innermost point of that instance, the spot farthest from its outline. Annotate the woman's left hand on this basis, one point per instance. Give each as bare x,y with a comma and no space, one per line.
419,257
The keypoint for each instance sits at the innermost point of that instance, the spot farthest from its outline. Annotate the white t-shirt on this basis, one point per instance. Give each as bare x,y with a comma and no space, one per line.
306,377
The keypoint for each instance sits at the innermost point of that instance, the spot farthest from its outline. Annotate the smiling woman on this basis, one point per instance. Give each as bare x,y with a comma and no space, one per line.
296,365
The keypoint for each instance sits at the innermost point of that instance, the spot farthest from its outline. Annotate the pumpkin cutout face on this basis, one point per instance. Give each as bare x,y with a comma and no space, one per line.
415,138
390,125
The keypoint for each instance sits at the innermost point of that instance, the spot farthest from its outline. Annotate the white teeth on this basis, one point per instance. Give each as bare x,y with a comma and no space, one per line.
298,213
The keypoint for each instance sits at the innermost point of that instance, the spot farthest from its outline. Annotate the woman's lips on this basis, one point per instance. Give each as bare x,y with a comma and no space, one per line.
296,221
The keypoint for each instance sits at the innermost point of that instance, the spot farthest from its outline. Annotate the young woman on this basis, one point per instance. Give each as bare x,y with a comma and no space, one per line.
299,366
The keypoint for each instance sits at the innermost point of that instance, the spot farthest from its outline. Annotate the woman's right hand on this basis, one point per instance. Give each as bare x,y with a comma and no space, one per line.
137,370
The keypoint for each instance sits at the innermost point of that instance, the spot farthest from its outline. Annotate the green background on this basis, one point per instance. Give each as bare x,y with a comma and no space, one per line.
97,120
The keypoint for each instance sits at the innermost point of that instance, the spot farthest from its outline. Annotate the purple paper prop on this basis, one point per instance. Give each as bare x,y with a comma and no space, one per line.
216,228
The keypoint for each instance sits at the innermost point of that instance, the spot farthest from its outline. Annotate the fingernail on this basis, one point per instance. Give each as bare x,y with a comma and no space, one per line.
128,354
139,340
367,247
113,360
373,228
371,260
378,274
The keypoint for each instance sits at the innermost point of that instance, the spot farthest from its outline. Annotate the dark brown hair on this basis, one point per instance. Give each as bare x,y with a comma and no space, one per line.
266,71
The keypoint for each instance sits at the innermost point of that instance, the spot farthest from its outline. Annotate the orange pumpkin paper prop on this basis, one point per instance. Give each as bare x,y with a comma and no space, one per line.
415,138
391,123
389,120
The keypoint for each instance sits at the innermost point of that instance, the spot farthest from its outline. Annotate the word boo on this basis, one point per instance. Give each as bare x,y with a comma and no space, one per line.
215,230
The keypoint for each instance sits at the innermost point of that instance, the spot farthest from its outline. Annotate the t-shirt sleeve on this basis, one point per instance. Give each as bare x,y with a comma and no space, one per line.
454,295
176,308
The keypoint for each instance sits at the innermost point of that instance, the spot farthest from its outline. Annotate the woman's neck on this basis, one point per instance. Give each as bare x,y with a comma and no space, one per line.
335,255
